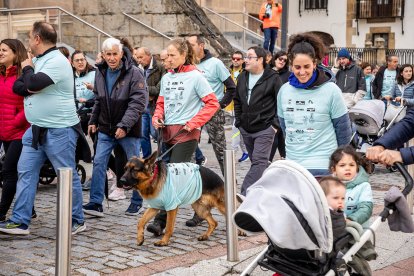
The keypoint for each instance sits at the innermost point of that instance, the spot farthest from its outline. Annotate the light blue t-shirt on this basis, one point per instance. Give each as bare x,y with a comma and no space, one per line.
182,94
388,82
183,186
216,73
53,106
368,81
253,78
310,135
81,90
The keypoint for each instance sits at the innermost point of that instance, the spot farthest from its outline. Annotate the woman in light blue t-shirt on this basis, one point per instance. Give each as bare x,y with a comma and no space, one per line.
311,110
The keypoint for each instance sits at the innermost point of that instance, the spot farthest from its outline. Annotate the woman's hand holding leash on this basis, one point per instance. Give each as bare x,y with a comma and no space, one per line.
159,123
91,129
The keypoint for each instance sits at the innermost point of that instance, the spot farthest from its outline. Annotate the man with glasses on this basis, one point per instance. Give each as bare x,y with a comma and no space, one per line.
236,67
255,111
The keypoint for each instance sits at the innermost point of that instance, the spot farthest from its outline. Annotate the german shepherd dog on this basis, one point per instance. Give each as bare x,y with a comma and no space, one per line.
148,176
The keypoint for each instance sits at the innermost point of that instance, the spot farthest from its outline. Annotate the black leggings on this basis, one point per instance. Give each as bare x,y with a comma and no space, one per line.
13,150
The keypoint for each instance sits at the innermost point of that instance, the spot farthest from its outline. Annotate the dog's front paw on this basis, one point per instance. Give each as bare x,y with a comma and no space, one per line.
241,233
140,241
161,243
203,237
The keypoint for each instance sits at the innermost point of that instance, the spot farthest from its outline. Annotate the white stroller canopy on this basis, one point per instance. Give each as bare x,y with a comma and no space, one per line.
270,203
372,108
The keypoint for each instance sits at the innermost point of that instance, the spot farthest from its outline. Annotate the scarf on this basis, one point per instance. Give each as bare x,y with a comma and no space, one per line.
293,80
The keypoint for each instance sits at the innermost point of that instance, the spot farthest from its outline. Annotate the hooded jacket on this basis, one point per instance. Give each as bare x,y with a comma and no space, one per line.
350,79
260,112
358,201
12,119
124,106
405,91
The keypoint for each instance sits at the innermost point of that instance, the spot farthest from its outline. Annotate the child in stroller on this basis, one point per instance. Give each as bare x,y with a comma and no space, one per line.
303,244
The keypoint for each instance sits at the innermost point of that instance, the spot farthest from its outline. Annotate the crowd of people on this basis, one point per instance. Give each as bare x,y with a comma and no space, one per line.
51,100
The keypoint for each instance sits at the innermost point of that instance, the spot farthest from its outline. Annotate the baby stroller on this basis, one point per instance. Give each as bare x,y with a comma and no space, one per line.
299,227
372,119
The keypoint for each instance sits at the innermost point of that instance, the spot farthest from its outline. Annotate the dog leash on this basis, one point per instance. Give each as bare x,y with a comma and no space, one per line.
160,142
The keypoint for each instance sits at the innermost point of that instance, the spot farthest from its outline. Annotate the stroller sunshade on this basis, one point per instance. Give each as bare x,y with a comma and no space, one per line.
289,205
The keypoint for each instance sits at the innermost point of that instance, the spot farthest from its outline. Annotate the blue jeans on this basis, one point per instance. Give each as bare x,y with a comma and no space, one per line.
270,35
59,148
104,148
147,130
199,154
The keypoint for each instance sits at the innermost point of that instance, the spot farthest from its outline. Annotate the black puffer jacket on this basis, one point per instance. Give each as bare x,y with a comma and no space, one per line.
260,113
128,99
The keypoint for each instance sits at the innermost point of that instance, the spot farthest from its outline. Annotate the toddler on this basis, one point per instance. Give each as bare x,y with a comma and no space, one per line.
349,167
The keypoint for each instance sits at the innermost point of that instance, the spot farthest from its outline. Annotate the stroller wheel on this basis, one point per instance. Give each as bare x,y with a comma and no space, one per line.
46,180
392,169
81,172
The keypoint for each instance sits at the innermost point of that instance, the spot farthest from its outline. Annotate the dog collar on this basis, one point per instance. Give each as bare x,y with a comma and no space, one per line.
155,174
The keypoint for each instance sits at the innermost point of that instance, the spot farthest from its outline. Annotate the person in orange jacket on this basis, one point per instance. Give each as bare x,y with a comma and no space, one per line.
270,13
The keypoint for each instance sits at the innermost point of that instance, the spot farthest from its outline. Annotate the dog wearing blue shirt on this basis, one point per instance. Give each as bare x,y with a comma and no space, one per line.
168,186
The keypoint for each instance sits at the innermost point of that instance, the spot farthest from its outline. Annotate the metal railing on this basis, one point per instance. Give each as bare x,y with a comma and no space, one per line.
59,17
405,56
237,34
358,54
147,26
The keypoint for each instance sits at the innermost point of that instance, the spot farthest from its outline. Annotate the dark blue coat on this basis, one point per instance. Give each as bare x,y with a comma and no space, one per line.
399,134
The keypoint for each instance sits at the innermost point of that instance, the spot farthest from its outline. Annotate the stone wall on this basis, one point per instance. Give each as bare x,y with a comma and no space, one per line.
174,18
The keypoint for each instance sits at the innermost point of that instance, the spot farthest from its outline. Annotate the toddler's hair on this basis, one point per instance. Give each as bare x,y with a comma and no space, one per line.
348,149
327,182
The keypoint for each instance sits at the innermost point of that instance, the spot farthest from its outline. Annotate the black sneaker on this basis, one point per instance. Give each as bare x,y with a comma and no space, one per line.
196,220
10,227
78,227
133,209
155,228
93,209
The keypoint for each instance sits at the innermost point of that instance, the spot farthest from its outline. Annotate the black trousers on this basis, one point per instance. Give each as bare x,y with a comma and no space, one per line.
180,153
13,150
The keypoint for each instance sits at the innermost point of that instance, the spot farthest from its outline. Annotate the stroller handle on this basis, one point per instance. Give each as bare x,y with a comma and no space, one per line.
407,177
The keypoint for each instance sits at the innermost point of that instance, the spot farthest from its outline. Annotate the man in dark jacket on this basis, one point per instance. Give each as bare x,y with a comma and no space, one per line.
120,98
385,79
350,79
255,111
153,73
383,152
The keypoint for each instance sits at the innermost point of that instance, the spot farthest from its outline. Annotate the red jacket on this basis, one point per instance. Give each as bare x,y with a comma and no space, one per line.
12,119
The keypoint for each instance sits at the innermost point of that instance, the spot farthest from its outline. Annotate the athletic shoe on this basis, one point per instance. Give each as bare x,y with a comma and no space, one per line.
133,209
196,220
244,157
34,215
117,194
13,228
93,209
77,228
155,228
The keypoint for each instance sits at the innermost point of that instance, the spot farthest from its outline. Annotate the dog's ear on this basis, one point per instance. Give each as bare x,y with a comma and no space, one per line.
151,160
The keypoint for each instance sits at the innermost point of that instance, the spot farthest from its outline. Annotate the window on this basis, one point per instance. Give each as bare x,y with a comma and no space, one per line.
316,4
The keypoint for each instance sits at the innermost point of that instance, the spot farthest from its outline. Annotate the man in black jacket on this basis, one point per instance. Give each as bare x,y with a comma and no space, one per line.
385,79
255,111
120,98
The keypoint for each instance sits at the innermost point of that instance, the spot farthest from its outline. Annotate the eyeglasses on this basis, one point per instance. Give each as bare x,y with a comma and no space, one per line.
282,59
79,60
249,58
236,59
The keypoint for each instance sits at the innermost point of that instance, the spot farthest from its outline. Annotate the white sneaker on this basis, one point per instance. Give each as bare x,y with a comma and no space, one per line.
117,194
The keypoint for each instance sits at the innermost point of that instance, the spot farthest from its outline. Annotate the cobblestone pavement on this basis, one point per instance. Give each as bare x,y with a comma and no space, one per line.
108,245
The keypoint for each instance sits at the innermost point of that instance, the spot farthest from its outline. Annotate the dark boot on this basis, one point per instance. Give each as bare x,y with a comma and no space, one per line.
196,220
159,223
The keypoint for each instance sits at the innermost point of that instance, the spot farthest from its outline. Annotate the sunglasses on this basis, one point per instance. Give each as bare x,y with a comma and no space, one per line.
236,59
282,59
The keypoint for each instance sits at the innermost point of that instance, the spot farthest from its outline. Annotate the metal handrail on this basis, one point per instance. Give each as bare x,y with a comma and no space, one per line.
61,9
231,21
145,25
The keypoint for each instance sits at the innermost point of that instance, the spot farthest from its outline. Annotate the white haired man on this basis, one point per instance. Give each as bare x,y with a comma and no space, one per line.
120,98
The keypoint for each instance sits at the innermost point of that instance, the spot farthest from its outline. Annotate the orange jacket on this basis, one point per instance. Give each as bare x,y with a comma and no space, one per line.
273,21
